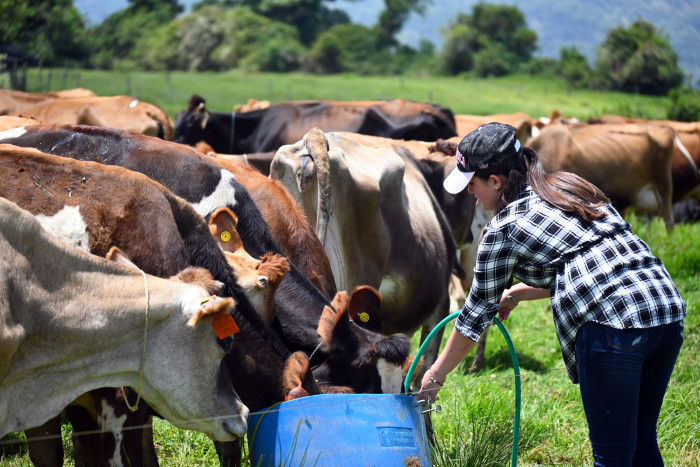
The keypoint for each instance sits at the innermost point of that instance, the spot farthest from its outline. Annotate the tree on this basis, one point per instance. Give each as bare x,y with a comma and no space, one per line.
638,59
53,30
309,17
493,40
574,66
393,17
116,37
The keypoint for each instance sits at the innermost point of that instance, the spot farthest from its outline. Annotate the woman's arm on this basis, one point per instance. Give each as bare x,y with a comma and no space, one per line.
518,293
455,350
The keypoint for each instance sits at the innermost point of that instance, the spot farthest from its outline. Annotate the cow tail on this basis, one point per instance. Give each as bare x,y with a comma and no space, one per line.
317,145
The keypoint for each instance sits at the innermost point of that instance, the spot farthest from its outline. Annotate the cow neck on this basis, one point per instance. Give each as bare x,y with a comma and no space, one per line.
135,407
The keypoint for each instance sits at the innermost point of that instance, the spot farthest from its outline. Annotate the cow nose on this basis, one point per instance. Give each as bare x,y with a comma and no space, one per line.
237,425
262,282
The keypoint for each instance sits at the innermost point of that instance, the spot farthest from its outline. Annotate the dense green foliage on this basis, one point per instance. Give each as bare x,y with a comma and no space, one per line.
638,59
492,41
54,31
311,36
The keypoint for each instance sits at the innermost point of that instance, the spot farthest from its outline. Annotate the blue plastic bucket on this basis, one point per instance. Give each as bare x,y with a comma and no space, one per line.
340,429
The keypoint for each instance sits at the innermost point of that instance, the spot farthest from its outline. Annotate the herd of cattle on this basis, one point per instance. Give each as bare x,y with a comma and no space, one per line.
313,236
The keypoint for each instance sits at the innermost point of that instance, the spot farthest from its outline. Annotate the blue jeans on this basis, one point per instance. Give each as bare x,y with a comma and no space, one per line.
623,375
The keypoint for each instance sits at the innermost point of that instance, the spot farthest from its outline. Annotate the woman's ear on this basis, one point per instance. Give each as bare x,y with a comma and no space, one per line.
497,182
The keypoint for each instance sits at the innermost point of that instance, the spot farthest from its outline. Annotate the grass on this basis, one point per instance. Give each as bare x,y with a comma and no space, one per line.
475,426
537,96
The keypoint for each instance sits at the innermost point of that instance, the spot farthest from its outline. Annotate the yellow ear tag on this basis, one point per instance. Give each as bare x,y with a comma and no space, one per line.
225,236
364,317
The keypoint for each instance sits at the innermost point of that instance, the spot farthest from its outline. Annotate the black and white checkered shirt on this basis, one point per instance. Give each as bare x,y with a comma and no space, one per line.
597,271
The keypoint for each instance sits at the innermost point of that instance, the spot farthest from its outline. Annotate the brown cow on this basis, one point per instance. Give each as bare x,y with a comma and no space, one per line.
162,234
685,168
124,112
9,122
520,120
622,160
12,102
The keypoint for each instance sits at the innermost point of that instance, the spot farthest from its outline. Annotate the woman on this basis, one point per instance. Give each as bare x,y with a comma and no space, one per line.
618,315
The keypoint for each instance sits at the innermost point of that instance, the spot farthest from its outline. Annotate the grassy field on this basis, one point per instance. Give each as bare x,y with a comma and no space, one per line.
476,423
535,96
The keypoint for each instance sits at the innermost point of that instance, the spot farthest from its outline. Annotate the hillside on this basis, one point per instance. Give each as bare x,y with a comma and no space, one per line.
558,24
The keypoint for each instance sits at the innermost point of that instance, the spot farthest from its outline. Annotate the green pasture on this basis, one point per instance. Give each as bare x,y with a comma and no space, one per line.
534,95
476,423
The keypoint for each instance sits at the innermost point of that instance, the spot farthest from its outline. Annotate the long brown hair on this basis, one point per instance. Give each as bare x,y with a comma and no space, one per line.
564,190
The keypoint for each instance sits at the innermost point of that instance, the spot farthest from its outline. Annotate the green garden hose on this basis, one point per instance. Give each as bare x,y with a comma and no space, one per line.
516,370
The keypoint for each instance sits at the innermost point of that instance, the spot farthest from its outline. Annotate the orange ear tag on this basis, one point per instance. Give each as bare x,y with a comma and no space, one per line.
224,325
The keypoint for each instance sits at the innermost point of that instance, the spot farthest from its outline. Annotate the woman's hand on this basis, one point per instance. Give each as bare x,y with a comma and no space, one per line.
430,386
506,305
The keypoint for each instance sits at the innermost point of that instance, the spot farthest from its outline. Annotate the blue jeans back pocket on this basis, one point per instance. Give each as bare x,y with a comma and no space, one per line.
626,339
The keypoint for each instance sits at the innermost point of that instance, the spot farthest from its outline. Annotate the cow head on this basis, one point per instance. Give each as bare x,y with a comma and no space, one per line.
192,126
376,365
259,278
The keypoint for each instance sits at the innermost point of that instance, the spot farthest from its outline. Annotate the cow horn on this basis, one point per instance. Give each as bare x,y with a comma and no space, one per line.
317,145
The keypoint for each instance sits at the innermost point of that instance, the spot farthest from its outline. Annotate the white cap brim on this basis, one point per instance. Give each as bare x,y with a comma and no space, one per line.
457,181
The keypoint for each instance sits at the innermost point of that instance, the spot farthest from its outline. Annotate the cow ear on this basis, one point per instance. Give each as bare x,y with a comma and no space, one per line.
364,308
222,225
118,256
295,370
218,307
330,317
406,365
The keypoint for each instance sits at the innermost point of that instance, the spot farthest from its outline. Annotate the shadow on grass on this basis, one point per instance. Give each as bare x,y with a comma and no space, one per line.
502,359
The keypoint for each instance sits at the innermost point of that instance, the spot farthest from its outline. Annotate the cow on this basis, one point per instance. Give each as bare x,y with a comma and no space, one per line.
124,112
624,161
162,234
267,129
199,180
73,322
8,122
379,222
685,168
13,101
520,120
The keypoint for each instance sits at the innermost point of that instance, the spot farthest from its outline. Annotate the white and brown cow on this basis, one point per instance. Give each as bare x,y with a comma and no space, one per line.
72,322
379,222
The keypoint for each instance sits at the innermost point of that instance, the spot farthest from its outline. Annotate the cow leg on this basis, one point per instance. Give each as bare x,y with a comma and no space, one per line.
150,458
229,452
480,354
45,444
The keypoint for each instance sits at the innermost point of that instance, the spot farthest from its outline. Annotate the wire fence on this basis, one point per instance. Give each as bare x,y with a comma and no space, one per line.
281,407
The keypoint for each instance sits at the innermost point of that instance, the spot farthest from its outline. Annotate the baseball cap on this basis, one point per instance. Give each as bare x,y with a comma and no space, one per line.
490,145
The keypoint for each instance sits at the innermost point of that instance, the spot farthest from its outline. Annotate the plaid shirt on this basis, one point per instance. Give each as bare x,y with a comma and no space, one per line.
596,271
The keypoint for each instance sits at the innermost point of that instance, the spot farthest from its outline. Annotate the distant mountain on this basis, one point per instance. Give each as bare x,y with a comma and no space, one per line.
557,23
